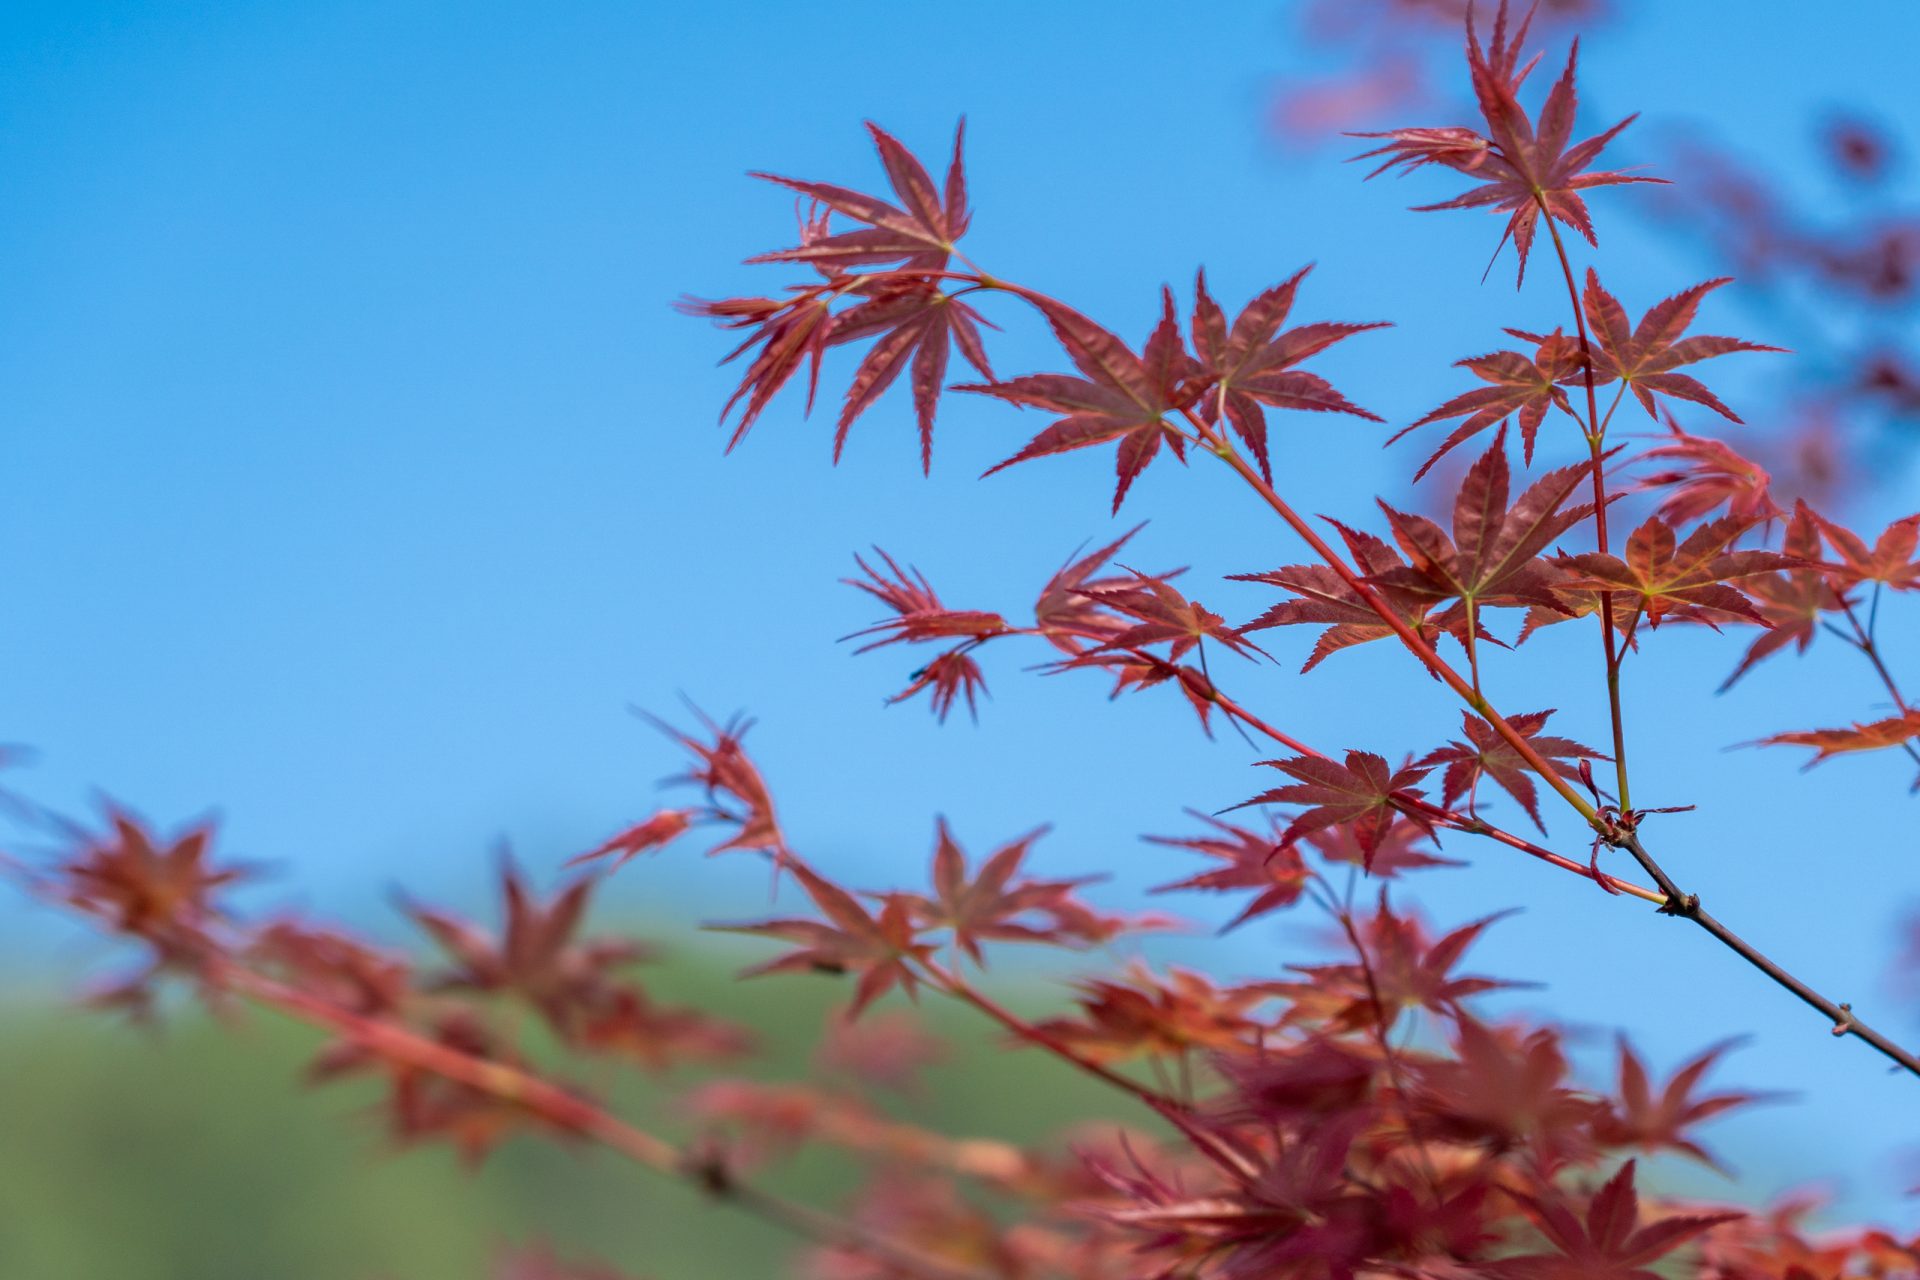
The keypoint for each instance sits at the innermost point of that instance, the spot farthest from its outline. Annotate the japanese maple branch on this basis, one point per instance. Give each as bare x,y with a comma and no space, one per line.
1675,901
1471,824
569,1112
1845,1023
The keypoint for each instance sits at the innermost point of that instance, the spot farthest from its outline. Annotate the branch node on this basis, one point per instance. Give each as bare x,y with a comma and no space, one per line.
1846,1023
1686,905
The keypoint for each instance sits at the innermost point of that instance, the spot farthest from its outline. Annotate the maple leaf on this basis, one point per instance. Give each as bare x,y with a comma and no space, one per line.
1485,754
724,771
1324,596
1639,1119
916,323
1405,969
1644,356
920,235
1890,562
993,905
1524,168
1790,601
655,832
1162,616
1505,1089
1688,577
789,332
156,889
949,675
919,615
1149,1014
1522,385
1610,1244
1710,474
535,956
1066,613
1253,861
1363,792
881,949
1252,364
1122,396
1306,1082
1878,735
1491,559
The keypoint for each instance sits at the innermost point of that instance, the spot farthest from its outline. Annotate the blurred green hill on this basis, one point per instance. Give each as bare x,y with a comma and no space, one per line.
195,1153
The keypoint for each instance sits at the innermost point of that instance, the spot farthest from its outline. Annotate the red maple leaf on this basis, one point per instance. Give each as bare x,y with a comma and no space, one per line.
918,614
1644,356
1791,601
1148,1014
1074,608
995,905
888,1050
1364,793
1639,1119
920,235
1522,385
161,890
1405,847
1324,596
1689,579
1705,474
1405,969
1253,861
1492,558
1609,1244
1890,562
1523,168
737,795
915,321
1252,364
1878,735
1122,396
535,956
1485,754
1506,1088
1162,615
882,950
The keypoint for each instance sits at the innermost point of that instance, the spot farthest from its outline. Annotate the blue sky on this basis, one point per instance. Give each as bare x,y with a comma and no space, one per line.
356,475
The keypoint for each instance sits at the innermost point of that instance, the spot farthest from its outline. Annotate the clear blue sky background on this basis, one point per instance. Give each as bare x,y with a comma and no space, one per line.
355,475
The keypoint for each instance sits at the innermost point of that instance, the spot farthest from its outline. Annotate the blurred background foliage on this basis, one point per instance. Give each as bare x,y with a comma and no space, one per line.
188,1152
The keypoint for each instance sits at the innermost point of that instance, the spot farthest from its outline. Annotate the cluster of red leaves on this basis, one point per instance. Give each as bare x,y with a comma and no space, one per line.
1231,374
1307,1135
1525,166
1855,247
